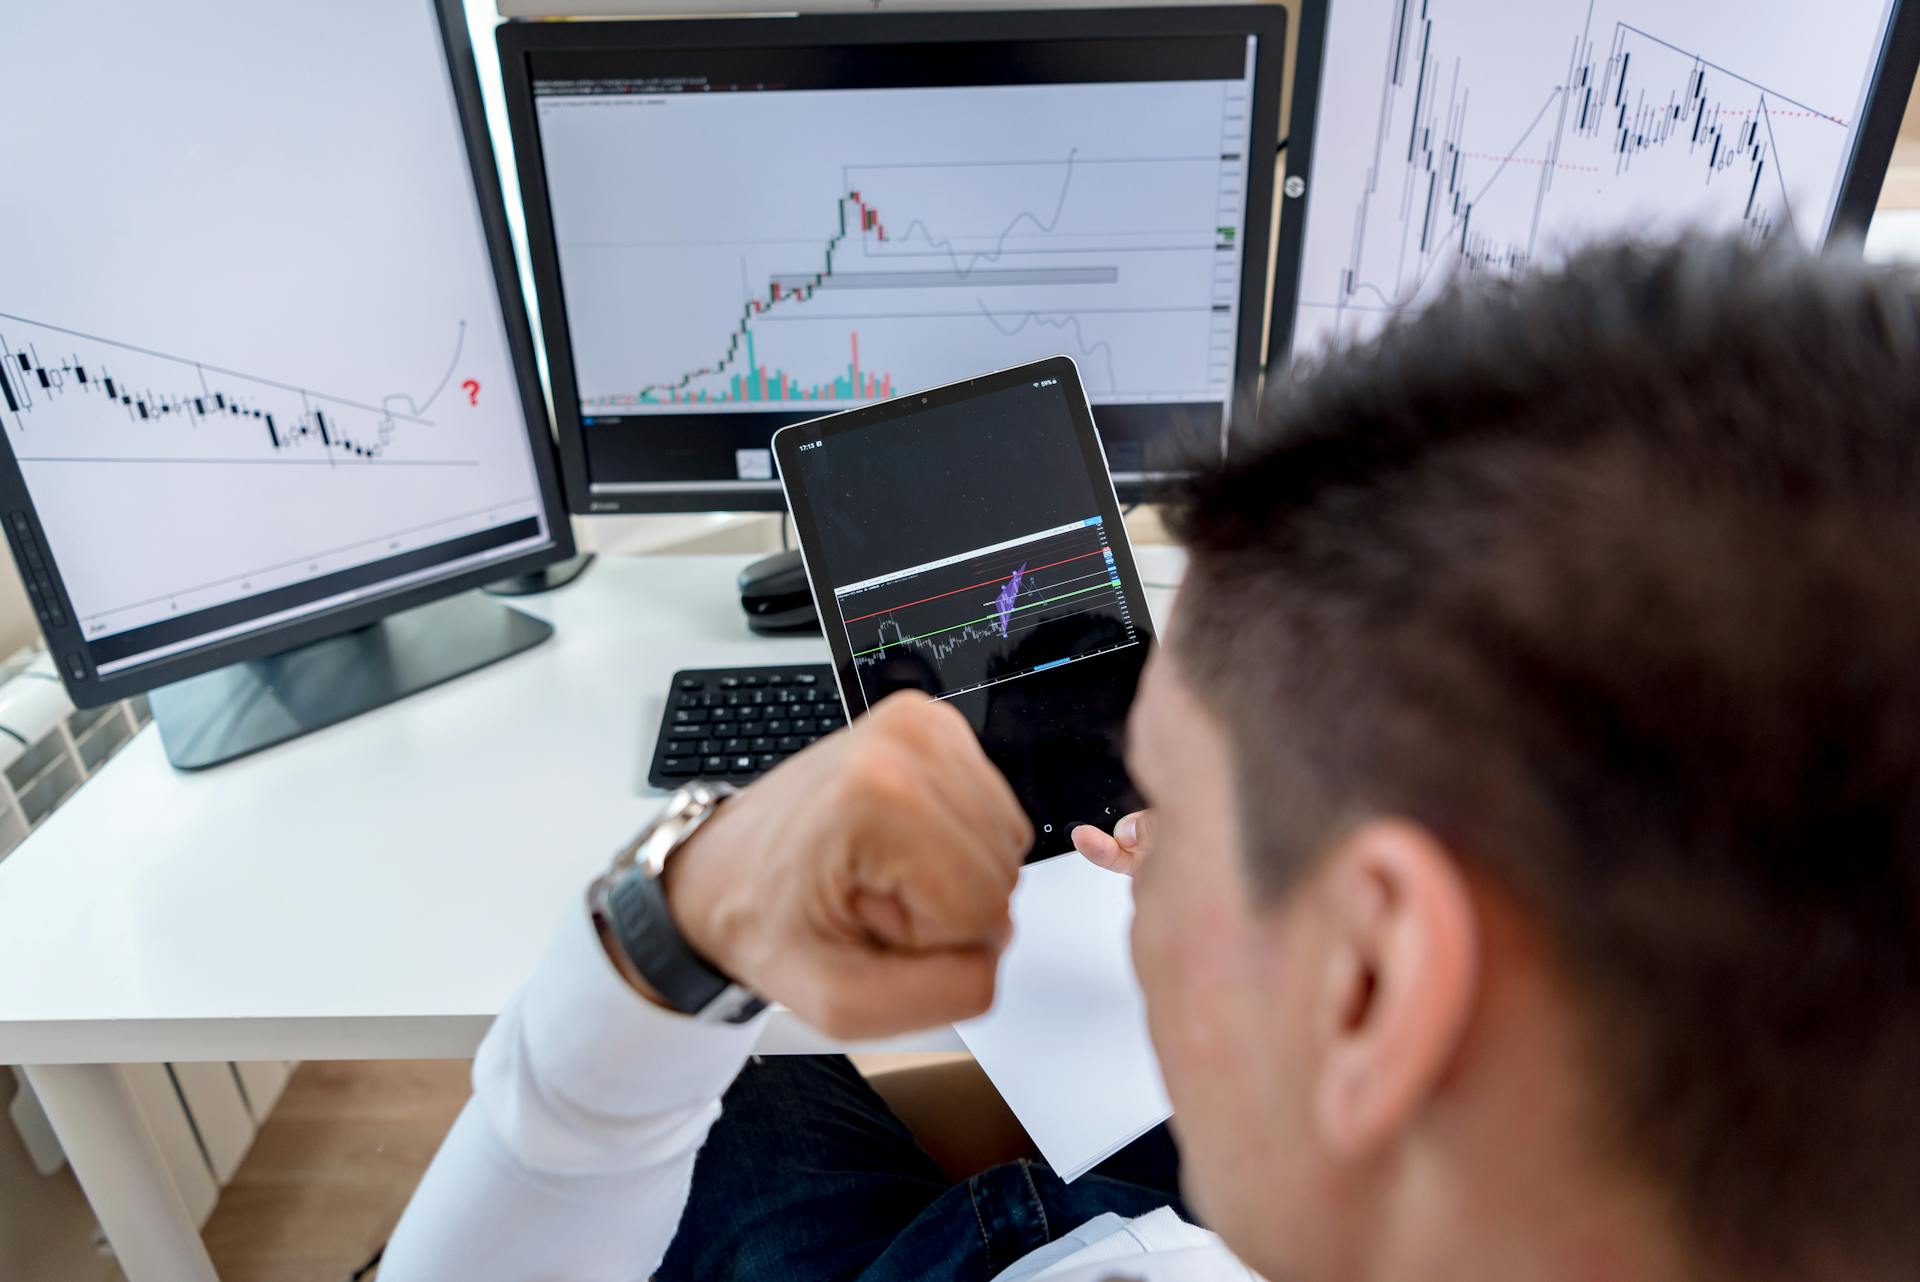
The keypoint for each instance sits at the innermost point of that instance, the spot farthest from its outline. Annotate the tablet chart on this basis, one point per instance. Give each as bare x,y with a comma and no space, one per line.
989,615
1475,137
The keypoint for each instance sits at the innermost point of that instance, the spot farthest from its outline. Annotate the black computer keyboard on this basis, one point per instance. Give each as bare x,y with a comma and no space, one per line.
735,724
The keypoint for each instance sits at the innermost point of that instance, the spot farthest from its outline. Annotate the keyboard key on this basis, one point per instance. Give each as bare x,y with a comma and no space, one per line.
766,760
714,765
779,727
691,716
721,714
753,714
792,743
752,679
678,765
805,678
804,725
729,683
762,744
776,678
743,765
710,747
735,746
692,683
685,732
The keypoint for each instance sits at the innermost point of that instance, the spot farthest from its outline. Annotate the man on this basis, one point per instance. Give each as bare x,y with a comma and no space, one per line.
1533,882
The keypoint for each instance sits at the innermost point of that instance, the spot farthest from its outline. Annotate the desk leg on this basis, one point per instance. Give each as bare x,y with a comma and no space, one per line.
121,1171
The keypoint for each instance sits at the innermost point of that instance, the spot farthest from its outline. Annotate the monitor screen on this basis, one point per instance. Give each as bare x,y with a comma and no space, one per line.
737,225
1469,135
256,369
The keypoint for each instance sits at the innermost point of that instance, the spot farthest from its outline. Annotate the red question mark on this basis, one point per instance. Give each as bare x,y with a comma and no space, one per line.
473,391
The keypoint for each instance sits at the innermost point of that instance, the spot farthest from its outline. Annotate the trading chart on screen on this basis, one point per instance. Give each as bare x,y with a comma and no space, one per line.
1468,136
741,249
989,615
250,341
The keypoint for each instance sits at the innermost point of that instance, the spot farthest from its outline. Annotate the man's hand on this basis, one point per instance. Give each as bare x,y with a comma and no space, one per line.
1129,843
865,883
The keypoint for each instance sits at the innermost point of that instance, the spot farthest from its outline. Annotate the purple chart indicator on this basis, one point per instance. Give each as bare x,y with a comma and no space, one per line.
1003,603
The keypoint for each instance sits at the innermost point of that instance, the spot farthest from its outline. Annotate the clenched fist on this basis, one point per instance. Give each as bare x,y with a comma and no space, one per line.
865,882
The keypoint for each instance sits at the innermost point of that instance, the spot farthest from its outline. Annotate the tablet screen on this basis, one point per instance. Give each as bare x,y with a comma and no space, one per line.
965,542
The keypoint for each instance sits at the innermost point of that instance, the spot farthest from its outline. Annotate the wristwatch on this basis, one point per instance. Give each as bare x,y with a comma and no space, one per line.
630,912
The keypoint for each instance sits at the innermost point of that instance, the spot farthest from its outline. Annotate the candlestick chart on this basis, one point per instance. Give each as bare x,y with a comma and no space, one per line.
1473,138
76,396
903,239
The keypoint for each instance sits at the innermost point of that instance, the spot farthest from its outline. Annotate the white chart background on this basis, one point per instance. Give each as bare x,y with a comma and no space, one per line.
276,190
1504,83
672,211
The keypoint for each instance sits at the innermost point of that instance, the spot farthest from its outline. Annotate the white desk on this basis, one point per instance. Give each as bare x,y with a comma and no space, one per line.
375,890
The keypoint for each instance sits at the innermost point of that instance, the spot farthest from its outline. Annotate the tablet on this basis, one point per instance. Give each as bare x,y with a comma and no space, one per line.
965,541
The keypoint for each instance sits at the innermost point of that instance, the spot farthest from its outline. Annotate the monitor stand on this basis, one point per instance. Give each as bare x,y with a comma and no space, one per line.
235,710
545,579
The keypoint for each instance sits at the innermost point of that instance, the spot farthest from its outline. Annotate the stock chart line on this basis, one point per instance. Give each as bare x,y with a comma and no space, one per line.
997,614
756,383
1024,605
1068,320
971,587
32,384
1046,226
1640,94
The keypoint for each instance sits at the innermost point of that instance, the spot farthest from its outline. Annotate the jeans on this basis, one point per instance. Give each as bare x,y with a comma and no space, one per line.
809,1177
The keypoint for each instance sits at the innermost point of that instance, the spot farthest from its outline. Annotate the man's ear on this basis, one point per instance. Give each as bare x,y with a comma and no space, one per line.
1401,974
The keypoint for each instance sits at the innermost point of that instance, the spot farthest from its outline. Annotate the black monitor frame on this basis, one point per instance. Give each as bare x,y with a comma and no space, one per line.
1866,169
88,688
518,42
1879,127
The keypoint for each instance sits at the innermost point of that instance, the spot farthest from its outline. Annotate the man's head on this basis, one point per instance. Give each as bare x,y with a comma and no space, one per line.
1536,756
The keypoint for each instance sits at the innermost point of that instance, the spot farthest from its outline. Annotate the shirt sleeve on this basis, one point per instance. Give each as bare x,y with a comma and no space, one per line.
571,1162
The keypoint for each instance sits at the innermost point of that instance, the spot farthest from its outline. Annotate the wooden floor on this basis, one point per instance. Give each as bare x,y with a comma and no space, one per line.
333,1167
331,1170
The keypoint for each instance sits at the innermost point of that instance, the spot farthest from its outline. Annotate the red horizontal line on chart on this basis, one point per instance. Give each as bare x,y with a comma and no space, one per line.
971,586
1524,160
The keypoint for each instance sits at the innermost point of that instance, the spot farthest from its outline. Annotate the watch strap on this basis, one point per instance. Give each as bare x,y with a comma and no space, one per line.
645,930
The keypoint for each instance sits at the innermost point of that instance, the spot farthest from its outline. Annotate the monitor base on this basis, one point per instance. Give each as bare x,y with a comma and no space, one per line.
545,579
240,709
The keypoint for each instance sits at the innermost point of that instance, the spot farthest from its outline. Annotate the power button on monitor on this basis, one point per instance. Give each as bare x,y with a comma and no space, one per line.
76,665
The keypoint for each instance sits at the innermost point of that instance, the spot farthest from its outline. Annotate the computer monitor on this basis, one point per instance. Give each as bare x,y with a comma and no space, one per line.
1432,137
737,224
265,376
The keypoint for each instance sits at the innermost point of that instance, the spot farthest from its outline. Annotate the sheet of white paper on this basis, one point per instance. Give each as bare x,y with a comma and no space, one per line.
1066,1040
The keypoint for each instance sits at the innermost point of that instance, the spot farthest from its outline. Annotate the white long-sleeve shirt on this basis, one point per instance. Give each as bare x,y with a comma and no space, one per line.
571,1162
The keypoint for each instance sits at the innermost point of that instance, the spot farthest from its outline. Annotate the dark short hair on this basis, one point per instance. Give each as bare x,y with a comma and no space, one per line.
1610,577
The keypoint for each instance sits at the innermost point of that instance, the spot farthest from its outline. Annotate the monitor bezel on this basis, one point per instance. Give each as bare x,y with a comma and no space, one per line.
1864,173
517,42
90,689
